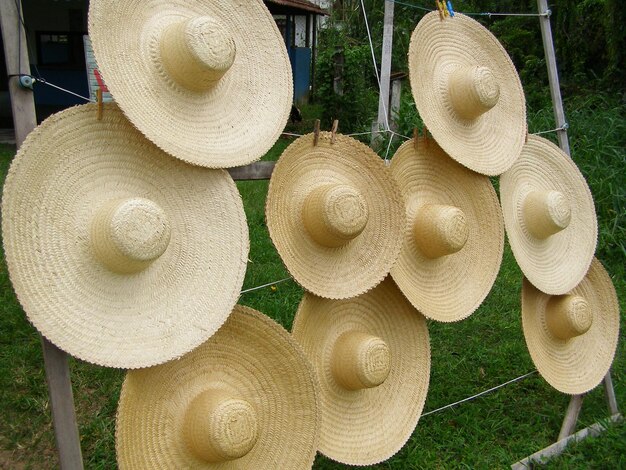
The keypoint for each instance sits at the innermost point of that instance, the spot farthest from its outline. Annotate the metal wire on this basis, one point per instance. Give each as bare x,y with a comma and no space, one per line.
269,284
380,88
486,14
45,82
564,127
473,397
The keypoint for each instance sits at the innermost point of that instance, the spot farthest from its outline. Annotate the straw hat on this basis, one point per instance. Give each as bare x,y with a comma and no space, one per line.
572,338
208,82
372,357
454,239
335,215
468,92
120,255
245,399
549,217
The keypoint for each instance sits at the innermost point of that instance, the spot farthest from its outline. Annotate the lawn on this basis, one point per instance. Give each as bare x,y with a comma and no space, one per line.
467,357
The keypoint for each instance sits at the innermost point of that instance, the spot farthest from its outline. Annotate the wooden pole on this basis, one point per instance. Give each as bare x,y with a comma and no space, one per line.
553,75
55,360
571,417
609,393
385,66
62,406
16,56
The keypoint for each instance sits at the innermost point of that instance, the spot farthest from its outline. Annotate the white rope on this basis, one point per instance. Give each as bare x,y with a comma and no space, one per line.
266,285
400,135
291,134
480,394
45,82
564,127
380,89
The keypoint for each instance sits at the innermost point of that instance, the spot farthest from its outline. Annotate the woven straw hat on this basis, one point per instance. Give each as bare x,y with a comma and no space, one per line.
549,217
335,215
468,92
208,82
245,399
572,338
120,255
372,357
454,233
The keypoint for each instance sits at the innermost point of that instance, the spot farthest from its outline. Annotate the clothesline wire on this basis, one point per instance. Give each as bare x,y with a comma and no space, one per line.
486,14
269,284
485,392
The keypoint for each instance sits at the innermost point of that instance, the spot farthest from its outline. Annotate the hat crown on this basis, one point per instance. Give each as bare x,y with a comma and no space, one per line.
197,52
546,213
220,428
334,214
360,360
473,91
128,234
568,316
440,230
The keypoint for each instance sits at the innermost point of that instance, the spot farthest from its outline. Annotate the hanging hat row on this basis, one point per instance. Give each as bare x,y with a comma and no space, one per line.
470,97
126,252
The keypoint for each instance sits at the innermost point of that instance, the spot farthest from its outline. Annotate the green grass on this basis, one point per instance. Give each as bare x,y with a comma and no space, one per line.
467,357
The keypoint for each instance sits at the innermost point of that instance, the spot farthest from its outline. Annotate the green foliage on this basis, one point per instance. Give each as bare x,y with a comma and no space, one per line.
344,85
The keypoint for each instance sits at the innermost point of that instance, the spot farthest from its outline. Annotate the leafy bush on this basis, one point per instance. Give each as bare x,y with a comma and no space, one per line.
344,85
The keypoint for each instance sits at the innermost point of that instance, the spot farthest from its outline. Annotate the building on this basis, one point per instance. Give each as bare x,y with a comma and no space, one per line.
55,31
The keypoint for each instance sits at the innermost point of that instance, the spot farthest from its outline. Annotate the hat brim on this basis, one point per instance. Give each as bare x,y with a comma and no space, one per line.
73,164
363,262
251,357
491,143
579,364
558,263
232,124
365,427
452,287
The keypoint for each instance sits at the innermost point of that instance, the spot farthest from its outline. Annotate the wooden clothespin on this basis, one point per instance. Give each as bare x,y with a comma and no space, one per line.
334,131
450,9
316,132
426,135
441,9
100,104
416,135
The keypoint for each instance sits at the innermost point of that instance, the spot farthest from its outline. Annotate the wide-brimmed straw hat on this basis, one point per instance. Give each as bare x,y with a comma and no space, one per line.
454,239
335,215
245,399
120,254
208,82
572,338
549,217
372,357
468,92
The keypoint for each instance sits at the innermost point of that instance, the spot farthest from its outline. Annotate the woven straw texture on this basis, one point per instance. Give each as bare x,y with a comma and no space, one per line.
468,92
251,359
172,91
335,215
430,273
364,426
543,193
573,363
186,241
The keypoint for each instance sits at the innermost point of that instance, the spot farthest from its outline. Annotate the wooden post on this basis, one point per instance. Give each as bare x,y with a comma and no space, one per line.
62,406
22,103
553,75
571,417
609,393
55,360
385,66
394,105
